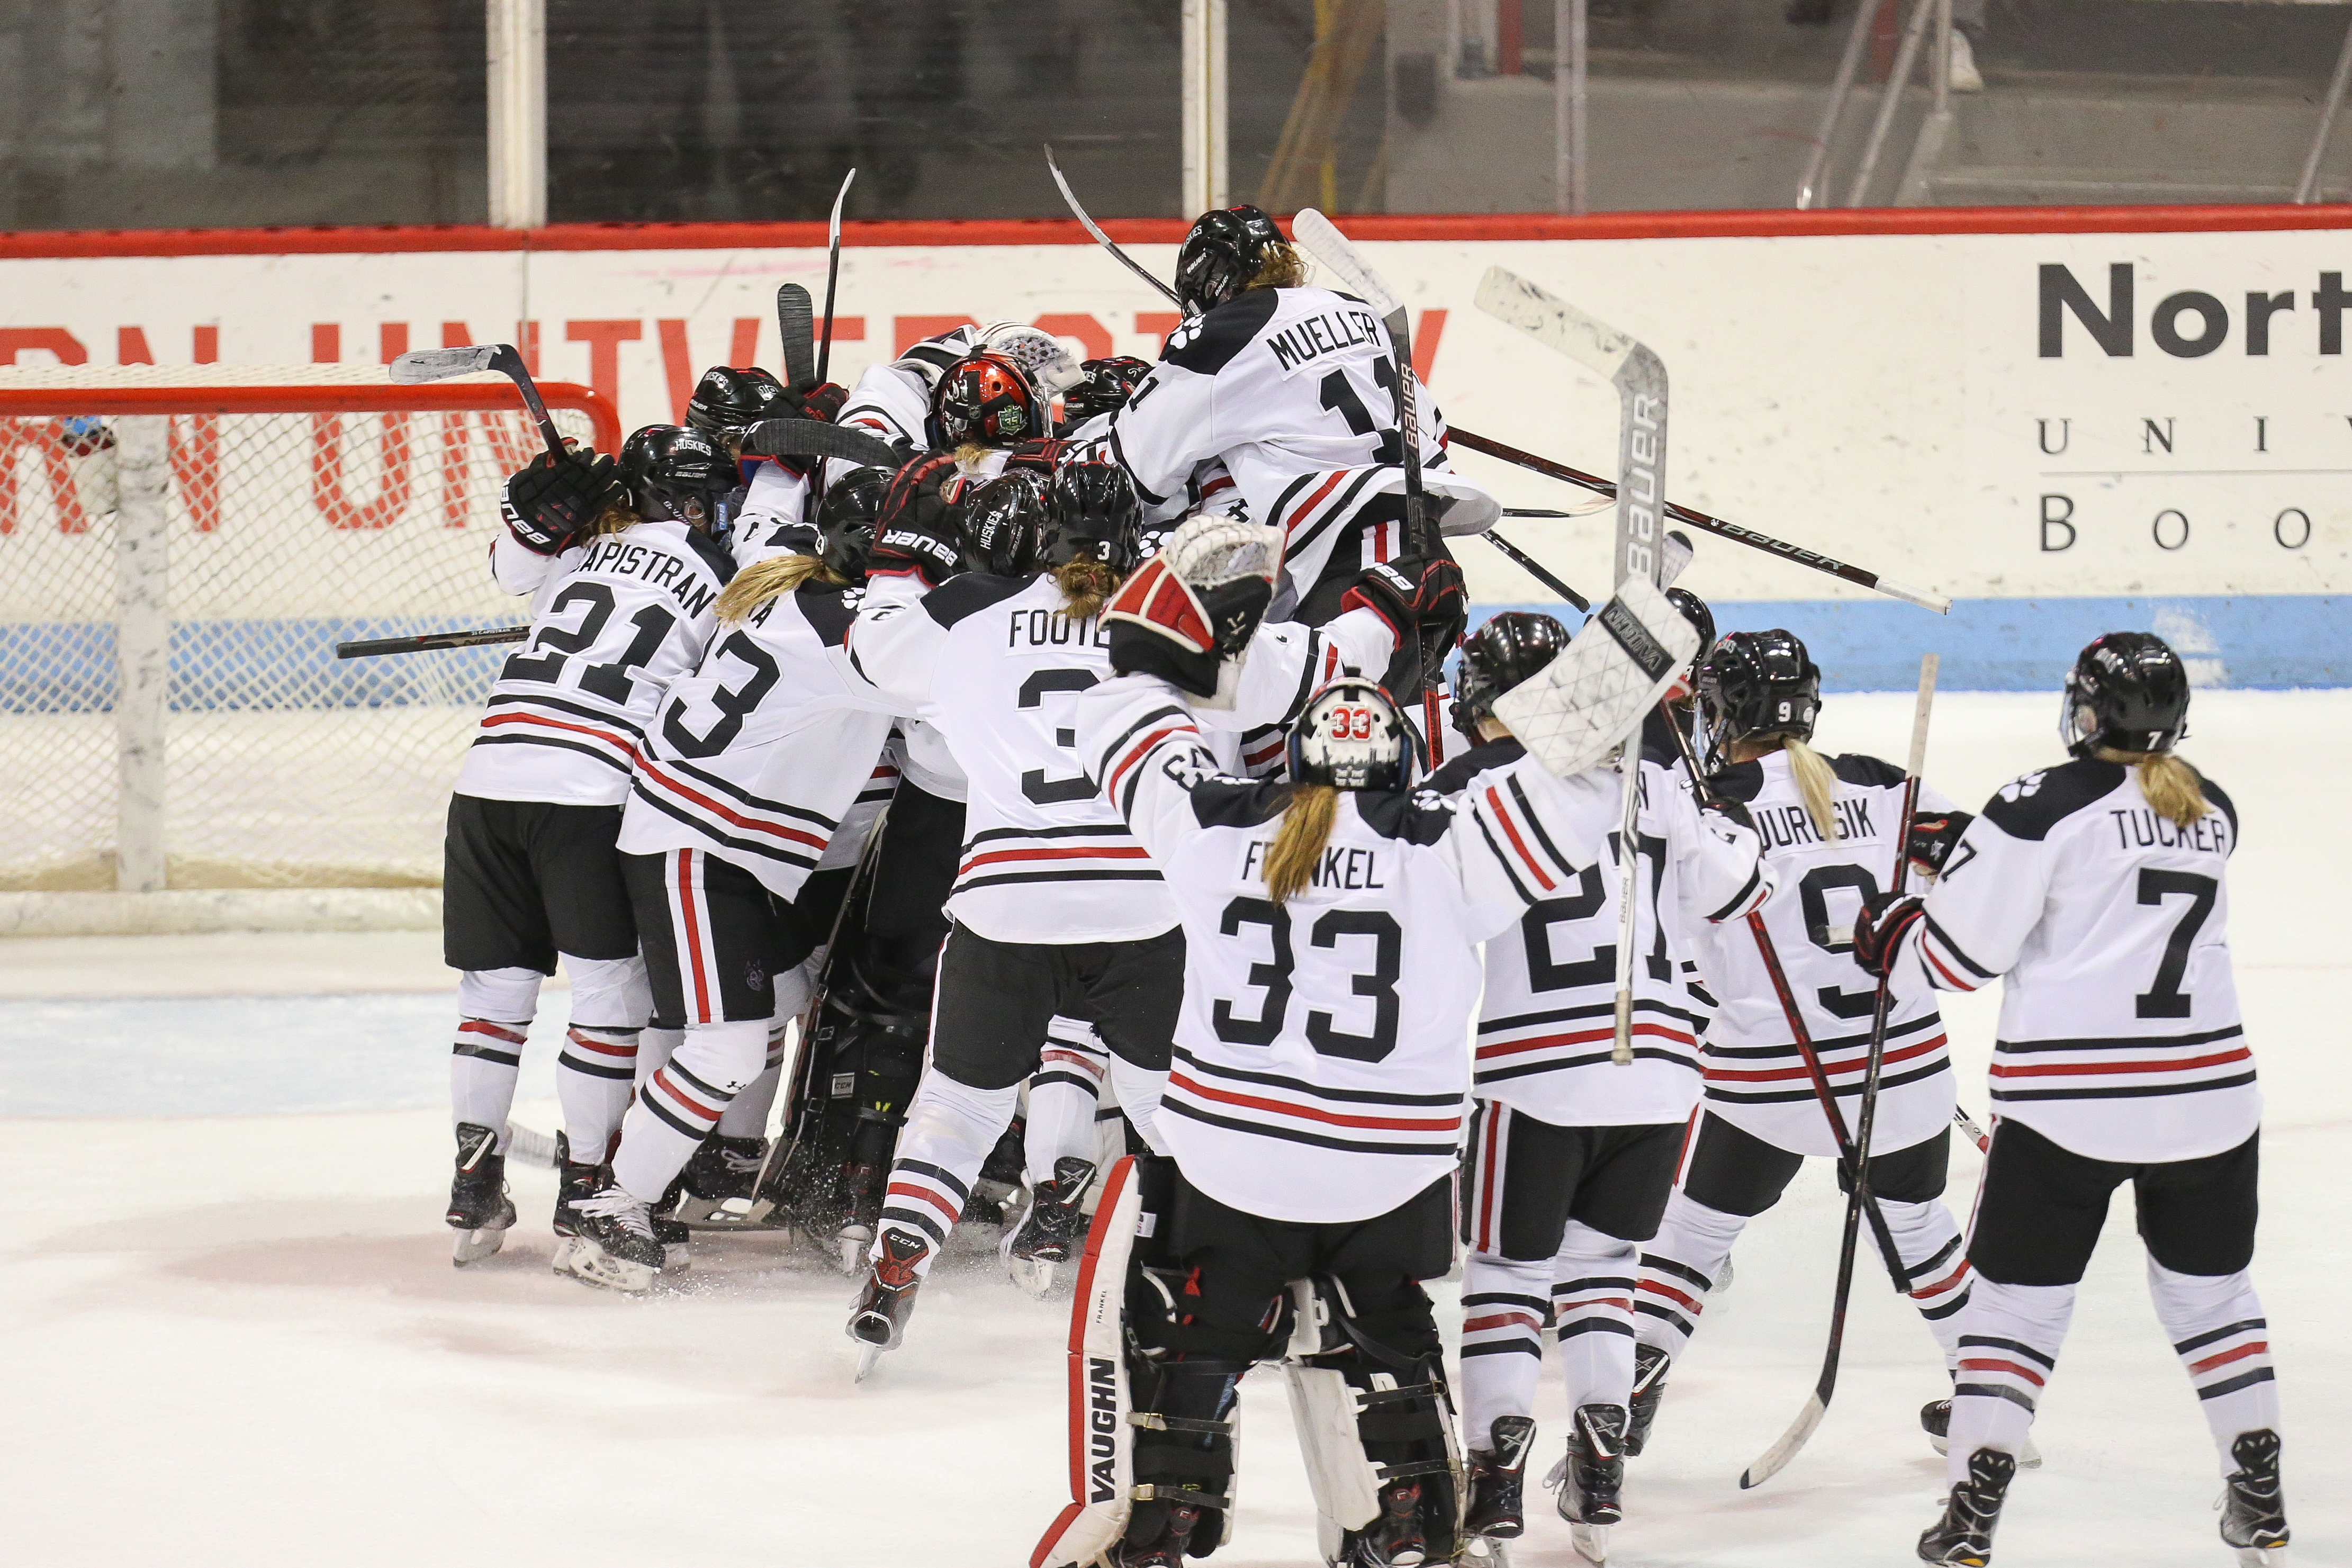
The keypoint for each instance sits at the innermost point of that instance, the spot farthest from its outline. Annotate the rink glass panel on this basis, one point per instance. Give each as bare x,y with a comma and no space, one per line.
287,533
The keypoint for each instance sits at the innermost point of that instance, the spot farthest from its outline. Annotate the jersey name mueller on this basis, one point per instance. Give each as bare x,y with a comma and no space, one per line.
997,668
2120,1036
612,626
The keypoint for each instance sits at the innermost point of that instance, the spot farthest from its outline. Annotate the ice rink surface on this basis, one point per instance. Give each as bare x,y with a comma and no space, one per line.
233,1337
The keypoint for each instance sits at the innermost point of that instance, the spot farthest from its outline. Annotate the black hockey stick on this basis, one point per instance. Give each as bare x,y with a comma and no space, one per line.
420,365
815,438
831,277
369,647
1536,569
1070,198
795,330
1716,525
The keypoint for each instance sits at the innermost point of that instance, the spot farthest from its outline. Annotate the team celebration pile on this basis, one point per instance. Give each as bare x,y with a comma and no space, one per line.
1070,789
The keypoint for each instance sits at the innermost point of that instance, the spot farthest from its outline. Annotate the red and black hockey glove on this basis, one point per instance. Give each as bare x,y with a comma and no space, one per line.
915,532
1879,929
1421,600
814,399
547,503
1934,833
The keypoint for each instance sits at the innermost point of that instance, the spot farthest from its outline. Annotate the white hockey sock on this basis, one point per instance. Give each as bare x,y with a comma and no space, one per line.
1928,1240
1593,1303
654,1048
950,1127
682,1102
1138,1091
495,1007
1679,1266
2009,1340
2215,1324
1063,1094
593,1079
1504,1305
747,1115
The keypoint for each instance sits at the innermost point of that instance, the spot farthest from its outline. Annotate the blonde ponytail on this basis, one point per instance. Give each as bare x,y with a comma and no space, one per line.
1815,782
2172,786
762,581
614,516
1087,585
1298,843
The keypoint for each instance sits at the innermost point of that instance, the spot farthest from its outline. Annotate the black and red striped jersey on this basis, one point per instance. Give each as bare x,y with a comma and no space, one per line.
1321,1061
613,622
2109,928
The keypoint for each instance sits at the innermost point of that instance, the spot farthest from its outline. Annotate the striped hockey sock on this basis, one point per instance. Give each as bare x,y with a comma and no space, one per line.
1928,1240
682,1101
1679,1266
1063,1094
1505,1305
593,1077
951,1128
2216,1326
485,1058
1592,1304
747,1115
2009,1345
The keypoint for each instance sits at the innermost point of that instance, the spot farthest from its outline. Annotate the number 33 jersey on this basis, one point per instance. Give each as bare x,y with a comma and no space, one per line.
2120,1038
613,622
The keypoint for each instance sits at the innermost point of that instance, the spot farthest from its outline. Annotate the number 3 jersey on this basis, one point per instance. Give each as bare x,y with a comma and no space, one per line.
2120,1038
1755,1078
1321,1061
613,621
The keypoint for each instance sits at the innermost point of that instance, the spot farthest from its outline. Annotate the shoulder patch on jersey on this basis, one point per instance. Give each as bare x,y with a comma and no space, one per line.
711,553
1238,803
1207,344
1416,818
828,612
1741,782
968,593
1873,772
2030,806
1455,776
2221,803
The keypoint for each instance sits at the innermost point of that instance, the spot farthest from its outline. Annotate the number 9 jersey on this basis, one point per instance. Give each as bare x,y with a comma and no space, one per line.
613,621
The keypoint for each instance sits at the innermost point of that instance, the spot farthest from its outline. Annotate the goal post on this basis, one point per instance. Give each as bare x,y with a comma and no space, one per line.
180,549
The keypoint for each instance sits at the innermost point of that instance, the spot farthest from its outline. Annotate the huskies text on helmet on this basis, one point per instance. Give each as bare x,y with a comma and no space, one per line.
728,399
1350,736
1005,522
673,472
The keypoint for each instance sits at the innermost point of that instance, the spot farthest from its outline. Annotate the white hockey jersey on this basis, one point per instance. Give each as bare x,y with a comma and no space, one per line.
1294,391
759,753
2120,1036
1548,1020
996,668
1321,1061
1755,1078
613,622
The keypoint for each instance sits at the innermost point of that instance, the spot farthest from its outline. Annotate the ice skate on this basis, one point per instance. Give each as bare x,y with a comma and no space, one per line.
719,1185
613,1243
1963,1537
1497,1511
1650,1364
1936,1420
574,1180
850,1245
1589,1478
1394,1539
879,1321
2253,1510
1052,1230
479,1210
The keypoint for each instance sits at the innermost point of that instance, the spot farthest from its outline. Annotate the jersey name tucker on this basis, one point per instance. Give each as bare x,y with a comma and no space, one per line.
621,557
2137,827
1315,336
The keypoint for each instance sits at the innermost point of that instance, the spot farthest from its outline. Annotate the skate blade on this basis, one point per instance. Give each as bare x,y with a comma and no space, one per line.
2262,1556
473,1245
1591,1541
1032,1275
1484,1552
1722,1281
592,1265
868,1355
677,1258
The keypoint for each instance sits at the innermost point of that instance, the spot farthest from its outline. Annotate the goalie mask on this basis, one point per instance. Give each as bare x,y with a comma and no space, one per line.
1049,365
1506,650
727,398
1226,250
670,471
1350,736
984,399
1004,521
1758,683
845,517
2129,691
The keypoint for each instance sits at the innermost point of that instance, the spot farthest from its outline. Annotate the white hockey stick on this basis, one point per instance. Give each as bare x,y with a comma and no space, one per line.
418,366
1640,377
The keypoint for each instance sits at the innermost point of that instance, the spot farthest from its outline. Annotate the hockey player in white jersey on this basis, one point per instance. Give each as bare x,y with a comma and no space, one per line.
1315,1107
2097,892
624,576
1571,1154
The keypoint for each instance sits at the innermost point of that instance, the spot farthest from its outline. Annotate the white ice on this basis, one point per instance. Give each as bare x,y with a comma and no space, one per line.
234,1336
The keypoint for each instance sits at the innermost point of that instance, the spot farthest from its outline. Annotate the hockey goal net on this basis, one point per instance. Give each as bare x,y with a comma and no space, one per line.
181,548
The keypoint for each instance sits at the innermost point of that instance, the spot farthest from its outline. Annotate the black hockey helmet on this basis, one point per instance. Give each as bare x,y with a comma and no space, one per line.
728,399
1506,649
1004,521
985,399
845,517
2129,691
1093,513
673,472
1702,620
1350,736
1225,249
1758,683
1109,383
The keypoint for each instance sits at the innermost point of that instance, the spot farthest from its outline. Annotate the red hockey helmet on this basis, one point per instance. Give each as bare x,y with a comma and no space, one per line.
985,399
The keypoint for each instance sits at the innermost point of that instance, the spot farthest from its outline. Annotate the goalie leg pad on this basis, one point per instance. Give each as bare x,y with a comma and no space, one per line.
1102,1439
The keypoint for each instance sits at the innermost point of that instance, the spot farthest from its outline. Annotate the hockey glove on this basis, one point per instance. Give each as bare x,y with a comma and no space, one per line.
1879,929
1195,605
547,503
1728,810
917,533
1421,600
815,399
1933,836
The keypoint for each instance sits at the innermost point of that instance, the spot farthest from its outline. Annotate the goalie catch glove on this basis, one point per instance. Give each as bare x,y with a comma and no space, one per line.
547,503
1421,599
1188,614
917,532
1879,929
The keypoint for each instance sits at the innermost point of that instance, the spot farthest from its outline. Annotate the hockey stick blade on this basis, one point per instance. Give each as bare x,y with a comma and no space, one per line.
1554,322
796,330
1334,250
815,438
832,276
1779,1455
1070,199
370,648
418,366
